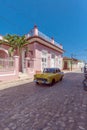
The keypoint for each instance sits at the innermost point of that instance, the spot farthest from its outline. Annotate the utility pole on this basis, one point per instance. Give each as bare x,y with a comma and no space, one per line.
71,61
72,55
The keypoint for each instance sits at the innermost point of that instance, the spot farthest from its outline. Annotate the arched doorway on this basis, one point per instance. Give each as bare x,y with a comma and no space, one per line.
4,60
3,53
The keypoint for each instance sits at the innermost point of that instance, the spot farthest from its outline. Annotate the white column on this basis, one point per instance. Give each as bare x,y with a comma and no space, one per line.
16,64
52,40
35,31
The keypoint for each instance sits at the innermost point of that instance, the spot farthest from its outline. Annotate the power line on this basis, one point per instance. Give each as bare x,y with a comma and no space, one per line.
10,22
18,11
12,7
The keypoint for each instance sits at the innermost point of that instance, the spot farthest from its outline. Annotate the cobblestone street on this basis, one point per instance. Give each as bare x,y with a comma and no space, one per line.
32,107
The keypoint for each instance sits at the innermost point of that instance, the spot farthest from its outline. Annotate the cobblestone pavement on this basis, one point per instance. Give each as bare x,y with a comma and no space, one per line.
31,107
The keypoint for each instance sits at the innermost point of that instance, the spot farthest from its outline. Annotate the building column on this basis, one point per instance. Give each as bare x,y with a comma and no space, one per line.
52,40
35,31
16,64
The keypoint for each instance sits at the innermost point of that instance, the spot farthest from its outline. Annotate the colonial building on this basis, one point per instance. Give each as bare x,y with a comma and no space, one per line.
72,64
41,52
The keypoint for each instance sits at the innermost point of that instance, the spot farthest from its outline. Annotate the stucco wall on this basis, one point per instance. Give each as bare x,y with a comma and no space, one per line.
38,48
33,61
11,74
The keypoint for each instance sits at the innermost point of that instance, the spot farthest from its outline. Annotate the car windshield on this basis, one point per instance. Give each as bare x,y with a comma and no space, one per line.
49,70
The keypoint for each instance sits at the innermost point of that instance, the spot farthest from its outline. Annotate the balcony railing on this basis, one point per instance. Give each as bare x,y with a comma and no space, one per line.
44,36
40,34
48,39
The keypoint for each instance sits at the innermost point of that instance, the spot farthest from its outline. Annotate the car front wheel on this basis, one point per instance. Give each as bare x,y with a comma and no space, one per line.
61,78
52,83
37,83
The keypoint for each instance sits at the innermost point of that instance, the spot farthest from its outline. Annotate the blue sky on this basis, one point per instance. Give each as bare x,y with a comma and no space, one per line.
65,20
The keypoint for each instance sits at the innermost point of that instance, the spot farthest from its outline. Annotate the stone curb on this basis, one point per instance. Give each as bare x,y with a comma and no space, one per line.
8,84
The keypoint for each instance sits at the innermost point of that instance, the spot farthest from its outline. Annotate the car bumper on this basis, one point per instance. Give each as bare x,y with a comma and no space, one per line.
41,82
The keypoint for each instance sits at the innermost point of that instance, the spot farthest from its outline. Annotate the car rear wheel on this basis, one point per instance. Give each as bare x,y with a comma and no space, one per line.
85,84
85,88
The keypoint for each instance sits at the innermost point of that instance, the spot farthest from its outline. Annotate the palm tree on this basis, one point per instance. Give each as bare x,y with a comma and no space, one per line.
16,44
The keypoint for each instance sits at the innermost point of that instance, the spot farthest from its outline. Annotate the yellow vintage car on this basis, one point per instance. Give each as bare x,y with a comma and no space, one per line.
49,76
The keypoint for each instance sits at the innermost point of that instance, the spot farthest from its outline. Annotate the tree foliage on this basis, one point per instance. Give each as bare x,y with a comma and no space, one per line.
16,42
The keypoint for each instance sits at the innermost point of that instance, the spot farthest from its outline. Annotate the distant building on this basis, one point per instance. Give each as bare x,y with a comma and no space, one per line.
72,63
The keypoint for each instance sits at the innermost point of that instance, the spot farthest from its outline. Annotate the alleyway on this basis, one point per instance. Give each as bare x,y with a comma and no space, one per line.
31,107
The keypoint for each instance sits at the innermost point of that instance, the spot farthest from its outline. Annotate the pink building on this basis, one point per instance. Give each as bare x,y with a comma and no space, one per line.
42,52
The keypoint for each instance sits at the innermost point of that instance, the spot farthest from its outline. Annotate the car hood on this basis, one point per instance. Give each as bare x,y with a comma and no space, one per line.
44,75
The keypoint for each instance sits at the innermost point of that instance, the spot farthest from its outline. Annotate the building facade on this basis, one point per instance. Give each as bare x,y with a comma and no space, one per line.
41,52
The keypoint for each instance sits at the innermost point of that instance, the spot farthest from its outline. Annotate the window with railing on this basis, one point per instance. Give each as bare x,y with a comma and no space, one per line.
44,61
6,64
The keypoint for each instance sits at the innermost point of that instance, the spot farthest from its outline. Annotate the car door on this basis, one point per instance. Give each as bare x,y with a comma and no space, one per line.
58,74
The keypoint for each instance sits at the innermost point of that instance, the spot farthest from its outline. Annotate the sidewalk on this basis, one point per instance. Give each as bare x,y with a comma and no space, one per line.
69,71
23,80
8,84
